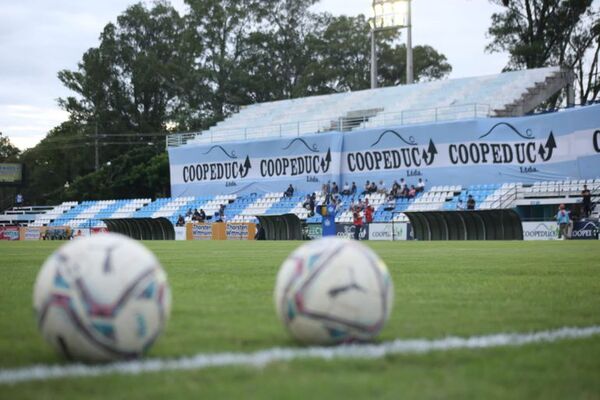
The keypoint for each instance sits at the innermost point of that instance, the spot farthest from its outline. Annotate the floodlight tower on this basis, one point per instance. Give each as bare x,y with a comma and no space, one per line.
391,14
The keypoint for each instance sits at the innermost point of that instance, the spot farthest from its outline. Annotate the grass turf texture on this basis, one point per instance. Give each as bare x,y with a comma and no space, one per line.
222,301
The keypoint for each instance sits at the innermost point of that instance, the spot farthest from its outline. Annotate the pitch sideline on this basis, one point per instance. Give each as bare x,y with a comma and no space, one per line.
263,357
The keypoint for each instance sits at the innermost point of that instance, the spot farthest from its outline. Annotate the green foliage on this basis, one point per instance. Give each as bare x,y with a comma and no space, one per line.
8,152
137,173
156,71
540,33
222,301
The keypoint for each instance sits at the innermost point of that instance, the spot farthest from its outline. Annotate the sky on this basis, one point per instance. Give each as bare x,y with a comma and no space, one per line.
38,38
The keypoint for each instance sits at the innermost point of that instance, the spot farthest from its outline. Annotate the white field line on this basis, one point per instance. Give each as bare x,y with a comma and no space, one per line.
264,357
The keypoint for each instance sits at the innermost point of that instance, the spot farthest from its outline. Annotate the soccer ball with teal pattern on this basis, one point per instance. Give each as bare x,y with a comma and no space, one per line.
102,298
333,291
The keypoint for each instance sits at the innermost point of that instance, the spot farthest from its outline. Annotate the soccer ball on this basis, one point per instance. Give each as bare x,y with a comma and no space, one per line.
332,291
102,298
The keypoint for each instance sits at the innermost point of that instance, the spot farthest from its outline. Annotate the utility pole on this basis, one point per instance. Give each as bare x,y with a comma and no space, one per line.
96,150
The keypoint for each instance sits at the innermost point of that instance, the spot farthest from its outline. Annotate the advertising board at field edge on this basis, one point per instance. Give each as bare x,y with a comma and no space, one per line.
389,231
9,233
540,230
585,230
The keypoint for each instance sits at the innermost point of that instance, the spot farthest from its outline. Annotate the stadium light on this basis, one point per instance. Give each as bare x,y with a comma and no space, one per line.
391,14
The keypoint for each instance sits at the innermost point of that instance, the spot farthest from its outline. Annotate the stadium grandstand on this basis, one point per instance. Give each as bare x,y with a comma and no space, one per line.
493,99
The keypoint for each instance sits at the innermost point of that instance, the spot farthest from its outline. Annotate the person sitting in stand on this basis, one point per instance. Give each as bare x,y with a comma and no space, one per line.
196,215
326,188
367,187
459,205
412,192
470,203
420,186
346,189
395,190
334,188
180,221
189,213
201,216
404,192
289,192
373,187
353,189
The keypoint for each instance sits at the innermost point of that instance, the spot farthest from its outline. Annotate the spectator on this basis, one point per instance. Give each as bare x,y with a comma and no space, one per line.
404,191
369,210
395,191
196,215
289,192
202,215
19,200
334,188
367,187
586,200
412,192
357,222
180,221
373,187
326,189
189,212
353,189
309,204
420,186
460,206
470,203
346,189
562,217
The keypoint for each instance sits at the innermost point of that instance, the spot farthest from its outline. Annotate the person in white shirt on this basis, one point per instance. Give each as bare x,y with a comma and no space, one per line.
420,186
381,189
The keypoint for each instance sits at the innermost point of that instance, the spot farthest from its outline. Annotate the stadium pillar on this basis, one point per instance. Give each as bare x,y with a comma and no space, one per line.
373,59
409,52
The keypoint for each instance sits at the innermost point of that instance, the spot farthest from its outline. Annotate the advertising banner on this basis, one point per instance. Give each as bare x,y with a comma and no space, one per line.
585,230
533,148
180,233
555,146
255,166
388,231
9,233
11,173
202,232
347,231
545,230
236,231
33,233
314,231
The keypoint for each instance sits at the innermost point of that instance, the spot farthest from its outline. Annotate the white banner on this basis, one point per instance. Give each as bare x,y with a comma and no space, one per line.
546,230
180,233
388,231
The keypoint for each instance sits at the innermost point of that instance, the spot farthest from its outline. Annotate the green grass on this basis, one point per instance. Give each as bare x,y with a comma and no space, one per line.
222,301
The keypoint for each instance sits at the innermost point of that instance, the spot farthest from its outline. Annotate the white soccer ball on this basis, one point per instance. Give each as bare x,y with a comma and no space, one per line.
333,290
102,298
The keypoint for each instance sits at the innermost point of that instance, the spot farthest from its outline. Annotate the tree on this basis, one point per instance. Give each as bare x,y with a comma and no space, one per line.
8,152
540,33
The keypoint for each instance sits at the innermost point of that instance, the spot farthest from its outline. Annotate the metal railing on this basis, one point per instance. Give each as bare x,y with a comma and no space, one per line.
341,124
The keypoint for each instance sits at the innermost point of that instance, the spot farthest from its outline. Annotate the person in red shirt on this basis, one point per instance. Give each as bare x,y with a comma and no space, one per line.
357,222
369,210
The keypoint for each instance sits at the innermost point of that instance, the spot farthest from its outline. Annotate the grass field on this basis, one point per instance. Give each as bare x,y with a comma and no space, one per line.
222,301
